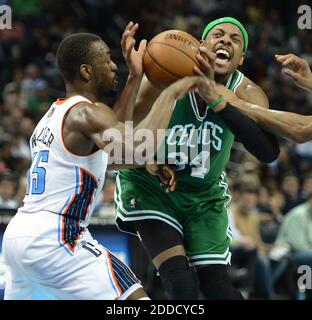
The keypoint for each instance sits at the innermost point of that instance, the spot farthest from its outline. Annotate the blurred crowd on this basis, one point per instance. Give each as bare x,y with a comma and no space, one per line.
266,246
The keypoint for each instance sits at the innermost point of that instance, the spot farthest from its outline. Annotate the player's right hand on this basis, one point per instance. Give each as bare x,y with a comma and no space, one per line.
165,173
206,60
296,68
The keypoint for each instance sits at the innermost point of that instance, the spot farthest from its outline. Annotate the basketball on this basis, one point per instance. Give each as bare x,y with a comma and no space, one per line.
169,56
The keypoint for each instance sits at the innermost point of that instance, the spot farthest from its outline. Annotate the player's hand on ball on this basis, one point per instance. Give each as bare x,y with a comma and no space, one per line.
206,59
296,68
165,173
133,57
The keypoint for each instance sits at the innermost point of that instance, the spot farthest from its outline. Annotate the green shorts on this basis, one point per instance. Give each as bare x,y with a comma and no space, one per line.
201,217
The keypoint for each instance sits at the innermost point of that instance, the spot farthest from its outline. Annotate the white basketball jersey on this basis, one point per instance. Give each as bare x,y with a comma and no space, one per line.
60,182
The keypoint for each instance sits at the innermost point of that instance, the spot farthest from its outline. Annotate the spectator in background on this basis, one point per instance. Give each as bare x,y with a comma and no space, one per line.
291,189
249,248
26,128
8,192
284,164
20,148
306,189
28,83
6,155
296,234
41,101
11,97
243,262
277,203
269,217
20,152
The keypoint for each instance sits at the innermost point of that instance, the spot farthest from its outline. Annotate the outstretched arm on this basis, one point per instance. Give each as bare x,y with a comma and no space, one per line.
289,125
100,124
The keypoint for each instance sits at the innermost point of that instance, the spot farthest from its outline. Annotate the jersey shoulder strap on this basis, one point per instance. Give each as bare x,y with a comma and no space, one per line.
235,80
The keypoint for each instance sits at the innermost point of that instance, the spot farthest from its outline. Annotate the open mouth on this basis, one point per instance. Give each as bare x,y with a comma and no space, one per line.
223,56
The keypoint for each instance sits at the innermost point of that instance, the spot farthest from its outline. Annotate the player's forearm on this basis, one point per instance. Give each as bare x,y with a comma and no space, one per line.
289,125
124,106
142,151
261,144
156,123
308,83
161,111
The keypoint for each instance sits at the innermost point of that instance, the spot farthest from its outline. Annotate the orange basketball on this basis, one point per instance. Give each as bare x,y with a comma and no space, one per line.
169,56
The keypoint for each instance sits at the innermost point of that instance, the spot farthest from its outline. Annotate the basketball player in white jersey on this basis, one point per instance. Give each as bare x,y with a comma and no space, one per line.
47,246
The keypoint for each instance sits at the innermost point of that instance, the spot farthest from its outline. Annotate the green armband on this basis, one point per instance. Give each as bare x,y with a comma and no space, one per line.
214,103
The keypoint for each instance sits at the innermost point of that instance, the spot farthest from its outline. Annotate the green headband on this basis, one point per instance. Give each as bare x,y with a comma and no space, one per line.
212,24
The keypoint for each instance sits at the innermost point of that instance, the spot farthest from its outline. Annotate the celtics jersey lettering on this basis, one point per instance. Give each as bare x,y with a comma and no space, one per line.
198,145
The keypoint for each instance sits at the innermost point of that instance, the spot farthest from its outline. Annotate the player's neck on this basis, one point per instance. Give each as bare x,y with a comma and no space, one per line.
76,90
222,78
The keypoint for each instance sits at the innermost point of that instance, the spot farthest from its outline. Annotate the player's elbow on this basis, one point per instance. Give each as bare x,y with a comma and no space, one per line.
269,156
299,138
302,134
272,155
269,149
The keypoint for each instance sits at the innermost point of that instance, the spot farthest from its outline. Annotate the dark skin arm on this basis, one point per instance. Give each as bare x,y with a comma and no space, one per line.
295,127
89,126
147,95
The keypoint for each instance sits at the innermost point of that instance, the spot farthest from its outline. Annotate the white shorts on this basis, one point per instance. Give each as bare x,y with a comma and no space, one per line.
39,268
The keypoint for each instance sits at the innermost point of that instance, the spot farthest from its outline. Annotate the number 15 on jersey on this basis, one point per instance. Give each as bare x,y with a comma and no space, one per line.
36,175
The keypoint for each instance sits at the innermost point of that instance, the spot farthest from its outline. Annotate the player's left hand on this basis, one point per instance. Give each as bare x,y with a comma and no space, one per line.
133,57
165,173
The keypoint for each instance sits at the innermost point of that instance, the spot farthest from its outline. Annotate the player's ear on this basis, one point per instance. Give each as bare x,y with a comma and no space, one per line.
85,71
242,59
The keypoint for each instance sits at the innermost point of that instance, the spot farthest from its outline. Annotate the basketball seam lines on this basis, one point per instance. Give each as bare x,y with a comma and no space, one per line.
171,46
159,65
168,45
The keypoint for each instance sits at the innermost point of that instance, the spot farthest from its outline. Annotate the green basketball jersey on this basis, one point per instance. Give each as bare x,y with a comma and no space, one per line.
198,145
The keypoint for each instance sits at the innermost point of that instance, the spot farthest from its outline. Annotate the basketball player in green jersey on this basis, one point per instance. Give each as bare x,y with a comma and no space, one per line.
186,232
